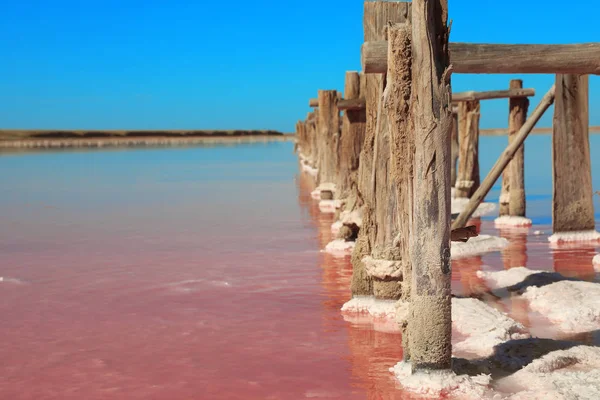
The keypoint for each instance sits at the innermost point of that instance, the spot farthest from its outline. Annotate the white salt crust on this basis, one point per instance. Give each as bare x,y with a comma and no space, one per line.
505,278
484,326
575,236
382,269
336,226
340,247
347,217
573,306
478,245
371,306
596,262
563,374
507,220
329,206
458,205
310,170
435,384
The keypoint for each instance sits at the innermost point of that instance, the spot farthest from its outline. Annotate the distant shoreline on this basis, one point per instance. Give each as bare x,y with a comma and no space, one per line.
14,139
40,139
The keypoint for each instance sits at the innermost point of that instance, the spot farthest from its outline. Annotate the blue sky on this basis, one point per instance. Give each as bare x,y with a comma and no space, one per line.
130,64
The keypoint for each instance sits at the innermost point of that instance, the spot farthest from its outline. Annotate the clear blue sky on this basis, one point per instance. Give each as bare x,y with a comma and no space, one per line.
234,64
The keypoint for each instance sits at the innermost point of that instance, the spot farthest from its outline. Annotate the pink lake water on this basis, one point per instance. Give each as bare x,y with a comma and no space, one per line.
195,273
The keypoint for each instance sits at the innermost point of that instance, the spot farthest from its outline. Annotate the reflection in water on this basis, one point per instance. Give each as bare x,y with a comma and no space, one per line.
373,351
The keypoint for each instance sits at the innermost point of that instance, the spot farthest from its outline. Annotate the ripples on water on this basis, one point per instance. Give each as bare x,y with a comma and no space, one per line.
196,273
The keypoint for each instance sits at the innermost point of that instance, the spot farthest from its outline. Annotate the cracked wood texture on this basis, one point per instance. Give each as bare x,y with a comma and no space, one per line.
352,137
430,323
572,200
467,180
328,133
377,15
402,153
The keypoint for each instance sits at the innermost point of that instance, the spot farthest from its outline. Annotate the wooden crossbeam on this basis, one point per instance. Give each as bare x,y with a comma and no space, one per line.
472,58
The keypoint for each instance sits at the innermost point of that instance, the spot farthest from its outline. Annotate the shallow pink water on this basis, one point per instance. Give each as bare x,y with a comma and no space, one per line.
221,299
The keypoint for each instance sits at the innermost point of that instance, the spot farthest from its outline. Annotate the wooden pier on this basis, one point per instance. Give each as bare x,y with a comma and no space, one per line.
406,141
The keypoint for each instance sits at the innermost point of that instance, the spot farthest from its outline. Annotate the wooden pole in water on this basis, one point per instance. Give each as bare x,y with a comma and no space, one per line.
377,15
467,180
328,132
504,159
572,200
430,323
516,120
402,153
353,135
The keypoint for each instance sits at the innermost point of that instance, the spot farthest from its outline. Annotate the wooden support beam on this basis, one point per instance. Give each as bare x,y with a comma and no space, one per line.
352,137
454,146
313,102
402,146
352,104
572,200
517,116
328,129
467,177
471,58
377,15
493,94
504,159
430,323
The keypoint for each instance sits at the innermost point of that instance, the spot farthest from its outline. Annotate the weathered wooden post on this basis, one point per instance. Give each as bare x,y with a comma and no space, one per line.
572,200
516,119
352,138
328,132
402,154
467,180
430,322
377,15
454,147
311,131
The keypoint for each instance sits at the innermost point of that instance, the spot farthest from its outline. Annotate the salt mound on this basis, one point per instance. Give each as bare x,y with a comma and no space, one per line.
459,203
372,306
596,262
485,327
507,220
505,278
340,247
347,217
477,245
575,236
310,170
574,306
436,384
561,374
382,269
336,226
329,206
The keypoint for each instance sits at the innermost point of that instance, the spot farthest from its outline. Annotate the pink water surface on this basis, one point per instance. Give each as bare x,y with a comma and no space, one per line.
228,298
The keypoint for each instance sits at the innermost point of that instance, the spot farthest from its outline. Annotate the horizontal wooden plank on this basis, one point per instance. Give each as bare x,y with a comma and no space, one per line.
493,94
473,58
352,104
